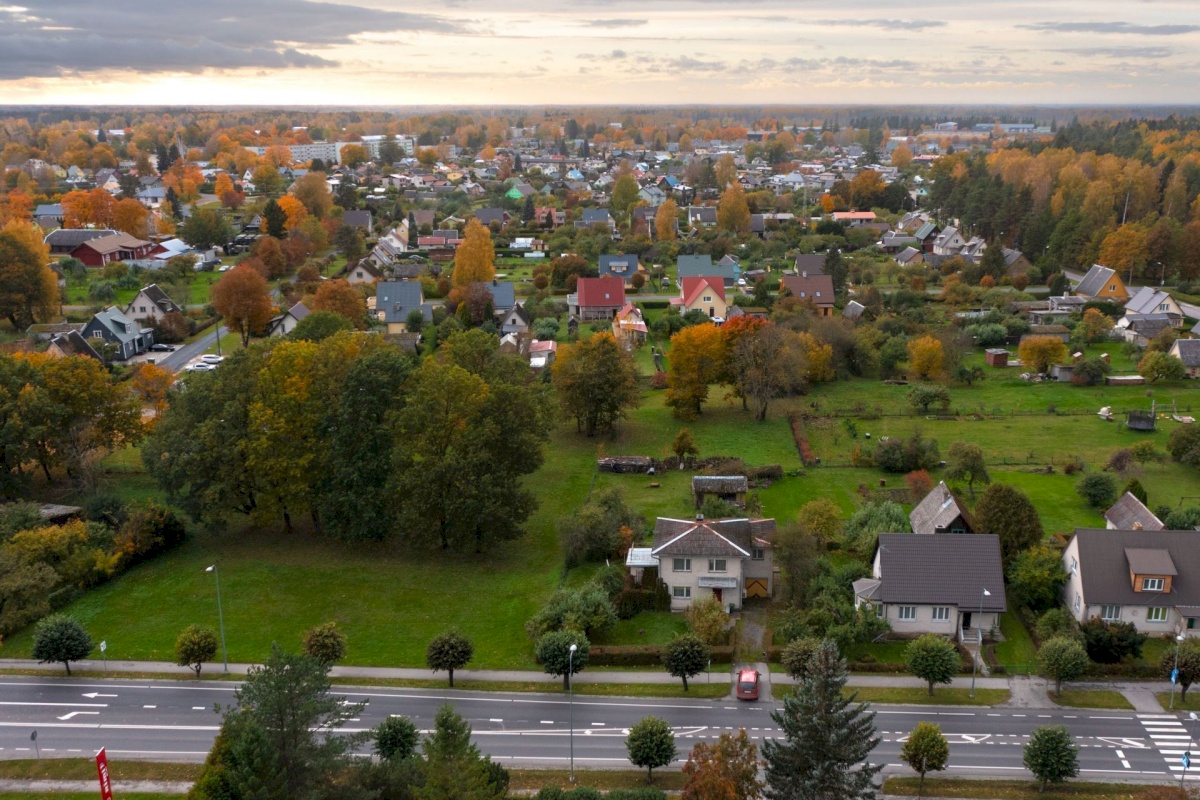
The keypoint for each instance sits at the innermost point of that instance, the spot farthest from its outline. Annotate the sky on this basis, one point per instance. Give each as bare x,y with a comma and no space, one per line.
626,52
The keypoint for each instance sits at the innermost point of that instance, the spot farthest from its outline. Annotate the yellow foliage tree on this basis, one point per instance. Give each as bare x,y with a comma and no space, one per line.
665,220
820,358
1037,353
295,210
733,213
1125,249
475,259
131,217
698,355
925,356
151,384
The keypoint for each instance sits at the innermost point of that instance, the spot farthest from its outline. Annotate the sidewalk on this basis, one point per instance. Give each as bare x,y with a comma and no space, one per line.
1027,691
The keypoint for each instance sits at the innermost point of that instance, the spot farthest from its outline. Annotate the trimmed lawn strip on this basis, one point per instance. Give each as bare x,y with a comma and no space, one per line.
1016,652
942,696
1192,704
698,691
1017,790
1091,698
84,769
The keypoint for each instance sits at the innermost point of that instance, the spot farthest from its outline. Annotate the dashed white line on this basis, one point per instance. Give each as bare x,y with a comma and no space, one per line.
149,706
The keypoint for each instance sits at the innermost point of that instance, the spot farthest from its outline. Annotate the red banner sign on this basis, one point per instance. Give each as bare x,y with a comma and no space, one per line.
102,771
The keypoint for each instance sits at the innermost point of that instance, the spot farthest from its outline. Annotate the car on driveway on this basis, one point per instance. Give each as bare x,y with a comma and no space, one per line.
209,358
199,367
163,348
747,684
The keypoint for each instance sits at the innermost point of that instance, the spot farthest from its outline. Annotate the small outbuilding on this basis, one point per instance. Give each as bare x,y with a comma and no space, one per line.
996,357
727,488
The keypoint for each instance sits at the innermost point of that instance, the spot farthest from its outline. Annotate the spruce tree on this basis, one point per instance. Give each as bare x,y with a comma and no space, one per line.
828,738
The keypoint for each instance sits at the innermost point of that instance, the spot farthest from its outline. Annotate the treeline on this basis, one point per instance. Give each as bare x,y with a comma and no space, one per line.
56,414
43,566
356,434
1122,195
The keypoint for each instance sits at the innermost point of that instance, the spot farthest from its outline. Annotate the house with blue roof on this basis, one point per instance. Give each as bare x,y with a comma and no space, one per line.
113,326
395,300
702,266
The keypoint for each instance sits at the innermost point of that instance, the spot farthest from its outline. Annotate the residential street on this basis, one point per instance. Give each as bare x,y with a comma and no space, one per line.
183,354
175,721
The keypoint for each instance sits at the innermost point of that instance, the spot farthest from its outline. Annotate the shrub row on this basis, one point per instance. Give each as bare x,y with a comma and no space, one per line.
643,655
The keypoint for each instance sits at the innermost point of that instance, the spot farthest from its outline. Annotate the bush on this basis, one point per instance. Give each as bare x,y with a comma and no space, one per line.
1098,489
1110,642
588,611
151,529
325,643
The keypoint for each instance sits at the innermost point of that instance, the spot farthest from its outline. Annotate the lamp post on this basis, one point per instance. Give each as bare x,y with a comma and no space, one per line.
571,703
1175,672
975,661
220,614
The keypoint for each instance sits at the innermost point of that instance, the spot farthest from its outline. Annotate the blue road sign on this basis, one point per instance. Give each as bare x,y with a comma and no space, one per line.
1174,676
1187,760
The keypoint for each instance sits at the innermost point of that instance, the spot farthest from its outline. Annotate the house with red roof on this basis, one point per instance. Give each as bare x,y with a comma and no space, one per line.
704,293
596,298
629,326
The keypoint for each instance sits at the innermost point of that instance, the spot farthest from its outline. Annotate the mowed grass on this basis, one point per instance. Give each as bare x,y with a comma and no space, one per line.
942,696
389,602
1019,790
1090,698
648,627
1017,652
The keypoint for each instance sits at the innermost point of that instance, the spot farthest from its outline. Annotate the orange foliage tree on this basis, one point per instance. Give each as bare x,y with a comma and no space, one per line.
131,217
243,298
295,210
925,356
151,384
1037,353
698,356
727,769
340,297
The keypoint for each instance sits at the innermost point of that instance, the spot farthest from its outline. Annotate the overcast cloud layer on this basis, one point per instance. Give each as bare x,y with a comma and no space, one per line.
599,51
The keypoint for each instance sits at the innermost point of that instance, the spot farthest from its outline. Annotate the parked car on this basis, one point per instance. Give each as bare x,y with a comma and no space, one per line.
209,358
163,348
201,367
747,684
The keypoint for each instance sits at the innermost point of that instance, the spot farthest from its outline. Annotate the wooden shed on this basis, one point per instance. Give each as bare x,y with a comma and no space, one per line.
996,357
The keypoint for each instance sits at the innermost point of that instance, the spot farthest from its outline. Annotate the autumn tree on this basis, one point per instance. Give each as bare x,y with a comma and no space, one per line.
1037,353
131,217
295,211
596,381
354,155
966,461
1125,250
733,213
698,355
28,287
726,769
665,220
223,185
243,298
475,258
312,190
925,356
765,362
342,298
1096,325
624,196
152,383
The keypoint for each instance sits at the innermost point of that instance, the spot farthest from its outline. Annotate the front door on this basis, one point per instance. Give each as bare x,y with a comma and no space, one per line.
966,620
717,594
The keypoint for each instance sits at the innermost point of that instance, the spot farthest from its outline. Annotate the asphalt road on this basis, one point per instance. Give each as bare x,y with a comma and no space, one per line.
182,355
175,721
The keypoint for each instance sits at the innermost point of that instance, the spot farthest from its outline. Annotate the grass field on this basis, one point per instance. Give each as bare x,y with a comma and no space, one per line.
77,293
1090,698
942,696
1017,652
1019,790
1192,704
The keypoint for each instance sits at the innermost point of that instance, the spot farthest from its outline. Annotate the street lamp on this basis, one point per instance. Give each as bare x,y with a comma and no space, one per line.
1175,672
571,703
978,621
220,614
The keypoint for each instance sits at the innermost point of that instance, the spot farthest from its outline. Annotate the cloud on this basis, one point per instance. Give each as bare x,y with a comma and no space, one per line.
623,22
1110,28
885,24
68,37
1122,52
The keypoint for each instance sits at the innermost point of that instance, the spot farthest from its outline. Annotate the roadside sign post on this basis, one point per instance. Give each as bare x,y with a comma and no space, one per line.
1186,760
38,750
104,655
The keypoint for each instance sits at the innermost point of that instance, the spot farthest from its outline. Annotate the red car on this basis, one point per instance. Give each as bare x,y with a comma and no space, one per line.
747,684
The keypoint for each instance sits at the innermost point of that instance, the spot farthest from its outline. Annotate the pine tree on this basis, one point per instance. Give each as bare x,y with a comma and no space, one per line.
828,738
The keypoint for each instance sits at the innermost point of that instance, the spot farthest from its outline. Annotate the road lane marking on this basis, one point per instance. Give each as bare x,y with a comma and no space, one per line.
149,706
94,695
76,713
199,708
61,705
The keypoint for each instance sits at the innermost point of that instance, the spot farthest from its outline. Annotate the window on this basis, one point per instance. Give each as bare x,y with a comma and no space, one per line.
681,565
757,554
708,298
682,592
908,613
941,613
1156,614
1110,613
881,610
716,565
1152,584
1074,565
1076,604
1191,624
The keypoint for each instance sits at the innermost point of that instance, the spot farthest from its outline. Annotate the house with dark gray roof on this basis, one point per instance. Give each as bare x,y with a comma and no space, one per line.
951,585
596,216
1148,578
1131,514
487,216
63,241
72,344
702,266
939,512
113,326
394,300
1102,283
285,323
1188,351
729,559
151,303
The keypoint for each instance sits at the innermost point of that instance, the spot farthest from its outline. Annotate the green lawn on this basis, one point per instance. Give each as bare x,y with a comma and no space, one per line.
942,696
198,290
881,652
648,627
1192,704
389,602
989,789
1090,698
1017,652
